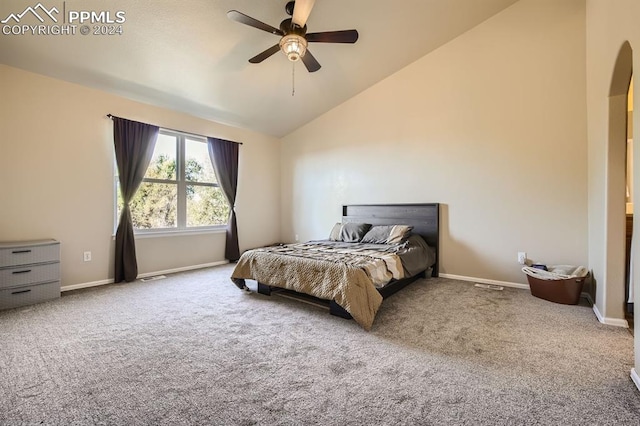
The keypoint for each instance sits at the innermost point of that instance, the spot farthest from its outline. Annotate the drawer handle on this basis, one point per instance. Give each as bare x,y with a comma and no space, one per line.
26,271
21,291
21,251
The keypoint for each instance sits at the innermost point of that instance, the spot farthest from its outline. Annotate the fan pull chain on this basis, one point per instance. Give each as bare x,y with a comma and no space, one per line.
293,78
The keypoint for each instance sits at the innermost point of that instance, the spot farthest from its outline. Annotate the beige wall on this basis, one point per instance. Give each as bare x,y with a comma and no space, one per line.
492,125
609,25
56,174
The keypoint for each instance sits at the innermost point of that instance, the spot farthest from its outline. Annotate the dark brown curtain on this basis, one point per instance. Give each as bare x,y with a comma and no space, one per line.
134,143
224,156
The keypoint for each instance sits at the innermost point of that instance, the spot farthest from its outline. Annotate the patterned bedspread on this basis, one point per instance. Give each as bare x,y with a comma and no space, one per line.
347,273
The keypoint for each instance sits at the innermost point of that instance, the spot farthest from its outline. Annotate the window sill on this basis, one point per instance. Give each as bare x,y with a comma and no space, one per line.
176,233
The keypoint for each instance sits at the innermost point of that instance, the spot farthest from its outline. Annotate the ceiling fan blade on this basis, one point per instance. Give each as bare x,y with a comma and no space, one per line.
234,15
301,12
344,36
310,62
264,55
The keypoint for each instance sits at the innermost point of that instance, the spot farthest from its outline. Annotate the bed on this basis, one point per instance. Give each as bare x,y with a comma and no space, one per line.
351,278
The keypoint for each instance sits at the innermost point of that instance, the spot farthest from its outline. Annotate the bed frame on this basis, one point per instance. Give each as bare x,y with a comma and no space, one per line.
425,220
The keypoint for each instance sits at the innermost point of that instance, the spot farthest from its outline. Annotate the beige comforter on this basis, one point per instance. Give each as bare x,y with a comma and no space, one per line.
346,276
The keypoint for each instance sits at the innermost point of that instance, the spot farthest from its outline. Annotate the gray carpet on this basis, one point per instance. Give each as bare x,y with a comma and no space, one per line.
193,349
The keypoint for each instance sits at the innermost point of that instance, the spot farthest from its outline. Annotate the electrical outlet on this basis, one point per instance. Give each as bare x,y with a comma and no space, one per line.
87,256
297,238
522,257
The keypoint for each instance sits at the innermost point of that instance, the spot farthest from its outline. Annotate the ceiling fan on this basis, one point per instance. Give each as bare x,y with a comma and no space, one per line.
293,34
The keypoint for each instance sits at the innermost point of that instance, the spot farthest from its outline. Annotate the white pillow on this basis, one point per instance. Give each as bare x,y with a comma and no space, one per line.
336,231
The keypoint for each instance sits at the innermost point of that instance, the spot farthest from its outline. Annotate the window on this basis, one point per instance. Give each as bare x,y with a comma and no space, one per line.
180,190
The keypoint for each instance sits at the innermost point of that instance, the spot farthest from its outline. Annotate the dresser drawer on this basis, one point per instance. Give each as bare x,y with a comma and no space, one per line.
29,274
29,253
21,296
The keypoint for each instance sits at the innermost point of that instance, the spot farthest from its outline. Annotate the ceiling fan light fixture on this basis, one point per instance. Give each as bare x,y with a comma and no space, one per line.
294,46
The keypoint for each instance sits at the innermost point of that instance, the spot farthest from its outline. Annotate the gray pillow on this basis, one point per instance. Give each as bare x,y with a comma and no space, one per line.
353,232
387,234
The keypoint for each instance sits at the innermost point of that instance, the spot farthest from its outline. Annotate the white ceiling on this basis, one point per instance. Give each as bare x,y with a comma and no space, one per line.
188,56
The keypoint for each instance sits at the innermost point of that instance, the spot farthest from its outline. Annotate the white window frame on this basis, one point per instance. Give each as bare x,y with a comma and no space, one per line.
181,182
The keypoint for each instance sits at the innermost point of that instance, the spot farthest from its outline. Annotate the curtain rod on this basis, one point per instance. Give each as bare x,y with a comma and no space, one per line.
179,131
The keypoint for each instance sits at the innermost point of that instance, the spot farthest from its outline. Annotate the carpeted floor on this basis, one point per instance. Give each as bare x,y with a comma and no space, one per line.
193,349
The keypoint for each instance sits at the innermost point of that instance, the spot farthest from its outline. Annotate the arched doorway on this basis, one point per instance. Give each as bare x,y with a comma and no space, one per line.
611,299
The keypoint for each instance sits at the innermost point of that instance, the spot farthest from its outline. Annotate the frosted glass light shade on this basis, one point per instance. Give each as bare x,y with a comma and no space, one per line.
294,46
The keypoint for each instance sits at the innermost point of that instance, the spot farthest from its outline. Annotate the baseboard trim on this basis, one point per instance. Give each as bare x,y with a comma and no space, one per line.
616,322
485,281
635,378
145,275
85,285
598,314
183,269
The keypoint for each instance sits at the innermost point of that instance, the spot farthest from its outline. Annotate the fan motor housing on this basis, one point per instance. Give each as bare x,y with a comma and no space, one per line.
288,27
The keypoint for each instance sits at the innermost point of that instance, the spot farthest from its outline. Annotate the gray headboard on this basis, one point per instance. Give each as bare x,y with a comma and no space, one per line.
425,219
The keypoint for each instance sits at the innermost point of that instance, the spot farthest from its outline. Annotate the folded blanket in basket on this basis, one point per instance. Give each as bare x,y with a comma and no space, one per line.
556,272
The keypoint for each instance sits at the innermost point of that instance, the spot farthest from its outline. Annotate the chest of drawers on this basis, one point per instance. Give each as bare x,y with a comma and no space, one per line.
29,272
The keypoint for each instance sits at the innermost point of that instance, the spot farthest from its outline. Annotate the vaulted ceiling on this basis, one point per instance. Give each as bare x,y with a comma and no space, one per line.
188,56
